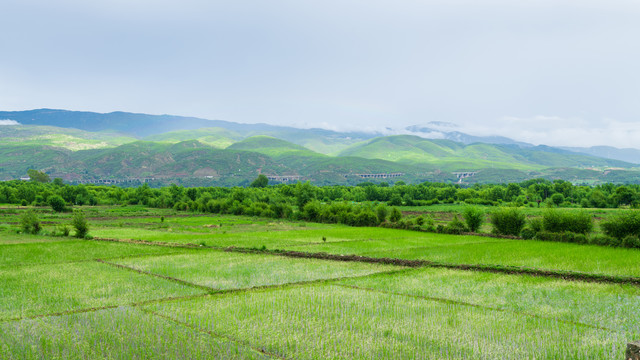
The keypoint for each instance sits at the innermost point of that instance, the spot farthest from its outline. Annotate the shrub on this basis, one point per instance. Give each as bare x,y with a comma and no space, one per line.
396,215
622,224
64,230
536,224
560,221
455,227
605,240
79,222
565,236
473,217
631,241
528,233
381,213
507,221
30,223
57,203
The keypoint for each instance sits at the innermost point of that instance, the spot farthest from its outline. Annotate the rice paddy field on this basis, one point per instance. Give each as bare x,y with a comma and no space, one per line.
160,284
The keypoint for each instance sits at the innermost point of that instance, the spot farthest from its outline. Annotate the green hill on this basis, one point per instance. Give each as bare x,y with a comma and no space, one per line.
72,139
273,147
215,136
451,156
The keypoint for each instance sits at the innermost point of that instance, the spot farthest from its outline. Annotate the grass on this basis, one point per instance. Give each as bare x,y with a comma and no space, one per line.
600,305
525,253
71,251
223,271
152,301
121,333
44,289
332,322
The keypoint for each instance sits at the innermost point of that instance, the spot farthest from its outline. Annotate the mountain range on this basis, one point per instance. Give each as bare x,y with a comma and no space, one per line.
87,146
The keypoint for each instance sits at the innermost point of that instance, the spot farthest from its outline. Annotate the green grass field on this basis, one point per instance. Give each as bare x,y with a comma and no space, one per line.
174,292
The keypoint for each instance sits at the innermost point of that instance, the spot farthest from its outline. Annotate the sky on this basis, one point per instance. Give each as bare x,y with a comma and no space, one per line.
555,72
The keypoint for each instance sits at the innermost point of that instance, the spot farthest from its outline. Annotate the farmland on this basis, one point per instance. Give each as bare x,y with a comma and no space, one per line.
159,283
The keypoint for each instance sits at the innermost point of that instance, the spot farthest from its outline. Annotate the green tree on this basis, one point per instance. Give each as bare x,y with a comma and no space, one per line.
473,217
508,221
557,199
30,223
79,222
38,176
382,212
57,203
260,182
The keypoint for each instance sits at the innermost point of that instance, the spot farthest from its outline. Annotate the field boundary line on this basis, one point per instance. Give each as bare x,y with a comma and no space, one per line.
464,303
106,307
175,252
214,291
180,281
500,269
149,242
213,334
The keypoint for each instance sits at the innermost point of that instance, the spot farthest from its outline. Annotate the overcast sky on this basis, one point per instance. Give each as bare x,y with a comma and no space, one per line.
557,72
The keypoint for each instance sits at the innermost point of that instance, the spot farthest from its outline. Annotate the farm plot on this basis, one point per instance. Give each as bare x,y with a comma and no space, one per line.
70,251
121,333
616,307
45,289
225,271
525,253
334,322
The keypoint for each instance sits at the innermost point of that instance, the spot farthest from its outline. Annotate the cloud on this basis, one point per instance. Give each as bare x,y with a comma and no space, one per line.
561,131
9,122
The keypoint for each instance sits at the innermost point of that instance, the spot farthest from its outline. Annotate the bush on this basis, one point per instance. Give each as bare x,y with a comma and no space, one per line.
558,221
473,217
381,213
507,221
396,215
605,240
631,241
79,222
528,233
57,203
30,223
622,224
64,230
536,224
455,227
565,236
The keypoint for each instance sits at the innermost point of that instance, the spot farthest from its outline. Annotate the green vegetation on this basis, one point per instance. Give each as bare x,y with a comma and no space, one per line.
254,272
507,221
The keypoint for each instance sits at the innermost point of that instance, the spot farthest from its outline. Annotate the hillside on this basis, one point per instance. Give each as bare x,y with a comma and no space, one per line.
451,156
72,139
145,125
215,136
273,147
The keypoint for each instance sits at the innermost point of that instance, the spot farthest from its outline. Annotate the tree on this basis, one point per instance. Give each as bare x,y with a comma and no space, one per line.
57,203
79,222
30,223
38,176
474,217
260,182
381,213
508,221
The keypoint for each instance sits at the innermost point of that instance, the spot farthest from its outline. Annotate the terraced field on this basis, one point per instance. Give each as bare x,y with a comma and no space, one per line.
159,284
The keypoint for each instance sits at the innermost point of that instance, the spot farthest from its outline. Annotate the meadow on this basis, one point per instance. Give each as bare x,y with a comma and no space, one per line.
159,283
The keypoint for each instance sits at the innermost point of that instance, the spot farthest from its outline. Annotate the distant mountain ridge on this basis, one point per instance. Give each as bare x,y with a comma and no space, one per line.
85,145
